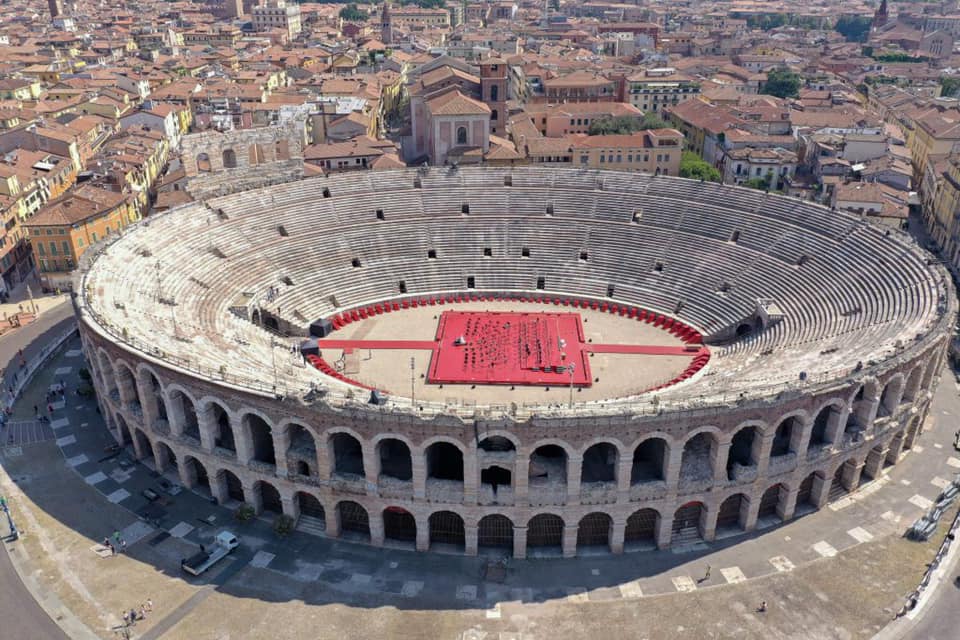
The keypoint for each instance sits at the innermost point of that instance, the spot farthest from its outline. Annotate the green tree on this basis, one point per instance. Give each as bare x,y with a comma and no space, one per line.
853,28
625,124
949,85
351,13
427,4
781,83
693,166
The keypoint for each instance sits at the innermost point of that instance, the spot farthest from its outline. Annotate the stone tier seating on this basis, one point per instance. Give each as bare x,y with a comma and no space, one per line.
701,253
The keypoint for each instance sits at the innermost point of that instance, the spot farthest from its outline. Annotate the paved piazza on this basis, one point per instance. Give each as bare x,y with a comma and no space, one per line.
848,560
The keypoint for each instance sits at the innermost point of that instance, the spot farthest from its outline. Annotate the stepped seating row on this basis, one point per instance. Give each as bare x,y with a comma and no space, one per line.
841,283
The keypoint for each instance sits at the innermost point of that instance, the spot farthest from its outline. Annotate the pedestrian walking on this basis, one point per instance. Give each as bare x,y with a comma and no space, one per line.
123,546
50,409
149,604
706,575
143,611
133,616
763,607
126,618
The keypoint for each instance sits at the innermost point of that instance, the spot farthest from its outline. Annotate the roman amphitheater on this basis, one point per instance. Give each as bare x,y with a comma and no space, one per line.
531,361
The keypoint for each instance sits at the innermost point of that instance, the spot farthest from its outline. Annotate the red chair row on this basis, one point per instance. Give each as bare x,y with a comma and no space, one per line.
321,365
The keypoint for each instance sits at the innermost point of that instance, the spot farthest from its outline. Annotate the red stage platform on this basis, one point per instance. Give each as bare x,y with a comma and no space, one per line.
510,348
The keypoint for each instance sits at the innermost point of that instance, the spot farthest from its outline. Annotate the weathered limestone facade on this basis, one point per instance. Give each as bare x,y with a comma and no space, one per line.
560,484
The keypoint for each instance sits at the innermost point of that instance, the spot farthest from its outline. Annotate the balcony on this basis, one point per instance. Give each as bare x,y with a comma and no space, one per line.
390,487
647,490
348,483
444,490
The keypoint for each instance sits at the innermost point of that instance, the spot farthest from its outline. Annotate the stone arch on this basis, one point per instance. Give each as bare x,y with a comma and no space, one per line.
599,463
255,154
311,509
142,445
127,385
912,388
545,532
933,364
164,456
444,461
688,523
826,423
282,149
301,453
742,455
786,434
548,464
498,441
699,451
732,513
495,532
650,459
461,136
258,431
911,432
184,410
772,501
219,417
838,484
594,530
496,476
446,528
107,373
860,408
642,526
891,395
395,459
399,525
267,498
354,520
195,475
806,500
233,487
124,436
203,162
229,158
346,454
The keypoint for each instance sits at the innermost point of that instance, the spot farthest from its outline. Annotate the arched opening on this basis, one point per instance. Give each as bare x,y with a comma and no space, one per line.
688,524
783,437
496,477
444,462
545,533
127,383
143,443
347,455
229,159
461,135
649,461
301,451
395,460
912,388
594,531
732,514
805,500
599,464
155,391
269,498
744,329
203,163
494,93
827,417
261,437
696,463
890,397
282,150
197,475
548,470
255,155
496,444
856,417
123,431
399,525
446,528
187,413
741,461
312,515
233,484
911,432
223,434
837,488
495,533
930,373
641,530
354,521
770,500
166,459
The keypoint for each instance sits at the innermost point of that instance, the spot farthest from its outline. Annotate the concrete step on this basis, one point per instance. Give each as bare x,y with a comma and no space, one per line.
311,525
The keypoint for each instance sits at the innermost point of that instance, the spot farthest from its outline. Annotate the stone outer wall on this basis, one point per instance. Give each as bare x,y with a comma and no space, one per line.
889,414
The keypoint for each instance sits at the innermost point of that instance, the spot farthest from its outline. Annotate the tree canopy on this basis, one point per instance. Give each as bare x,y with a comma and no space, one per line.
949,86
693,166
853,28
426,4
781,83
351,13
625,124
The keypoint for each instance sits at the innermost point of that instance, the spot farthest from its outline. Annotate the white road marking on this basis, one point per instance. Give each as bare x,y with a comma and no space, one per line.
181,530
733,575
65,440
76,461
631,590
939,483
118,496
920,501
261,559
860,534
684,584
825,549
95,478
782,563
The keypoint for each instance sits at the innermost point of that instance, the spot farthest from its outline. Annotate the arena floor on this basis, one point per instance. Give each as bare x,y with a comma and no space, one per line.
615,375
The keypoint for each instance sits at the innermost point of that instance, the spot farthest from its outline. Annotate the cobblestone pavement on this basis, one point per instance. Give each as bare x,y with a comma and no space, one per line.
838,573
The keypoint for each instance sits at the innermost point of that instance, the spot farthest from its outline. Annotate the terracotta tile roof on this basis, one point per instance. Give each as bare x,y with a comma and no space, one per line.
454,103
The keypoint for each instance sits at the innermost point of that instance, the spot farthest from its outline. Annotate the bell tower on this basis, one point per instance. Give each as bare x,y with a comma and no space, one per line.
493,92
386,35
